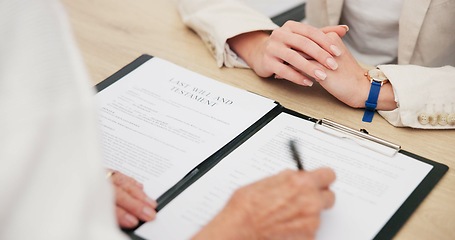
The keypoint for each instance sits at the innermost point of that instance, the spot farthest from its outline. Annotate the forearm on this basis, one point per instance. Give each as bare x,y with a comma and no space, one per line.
217,21
386,99
246,45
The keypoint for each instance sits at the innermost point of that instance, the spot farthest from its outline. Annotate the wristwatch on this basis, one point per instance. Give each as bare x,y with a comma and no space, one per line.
377,79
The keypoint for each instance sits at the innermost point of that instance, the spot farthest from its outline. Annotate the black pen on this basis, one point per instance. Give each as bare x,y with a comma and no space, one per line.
295,155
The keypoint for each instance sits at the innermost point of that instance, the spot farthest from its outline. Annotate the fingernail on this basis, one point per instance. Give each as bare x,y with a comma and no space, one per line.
335,50
320,74
332,63
131,219
346,27
308,82
151,201
148,212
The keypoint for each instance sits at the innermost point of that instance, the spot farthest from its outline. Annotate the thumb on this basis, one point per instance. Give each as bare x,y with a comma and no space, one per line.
341,30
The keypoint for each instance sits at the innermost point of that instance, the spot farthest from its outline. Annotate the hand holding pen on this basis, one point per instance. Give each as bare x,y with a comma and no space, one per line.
287,205
296,155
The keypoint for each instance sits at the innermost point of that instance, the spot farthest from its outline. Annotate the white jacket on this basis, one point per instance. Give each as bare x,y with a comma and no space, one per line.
52,183
423,82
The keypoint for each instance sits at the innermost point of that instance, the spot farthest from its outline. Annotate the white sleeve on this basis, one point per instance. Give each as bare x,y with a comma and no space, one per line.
52,183
425,96
215,21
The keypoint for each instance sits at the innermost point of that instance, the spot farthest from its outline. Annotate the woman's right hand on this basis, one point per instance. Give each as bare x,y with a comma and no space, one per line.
286,52
287,205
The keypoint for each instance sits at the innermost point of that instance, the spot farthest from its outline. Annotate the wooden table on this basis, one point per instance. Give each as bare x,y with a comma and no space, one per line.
111,34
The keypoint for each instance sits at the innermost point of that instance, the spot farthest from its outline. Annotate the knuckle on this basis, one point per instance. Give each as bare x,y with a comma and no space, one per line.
269,48
304,41
120,212
137,208
289,23
317,206
331,34
121,197
334,37
136,192
241,193
313,49
293,57
286,174
322,54
277,33
294,179
119,178
308,184
281,70
310,30
241,198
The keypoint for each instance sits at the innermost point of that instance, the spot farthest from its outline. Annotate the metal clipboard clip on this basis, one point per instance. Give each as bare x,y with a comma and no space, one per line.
361,138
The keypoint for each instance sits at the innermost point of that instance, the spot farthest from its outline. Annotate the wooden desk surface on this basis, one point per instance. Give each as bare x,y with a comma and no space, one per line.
111,34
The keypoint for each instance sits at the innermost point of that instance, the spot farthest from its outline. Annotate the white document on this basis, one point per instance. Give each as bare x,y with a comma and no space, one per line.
161,120
369,187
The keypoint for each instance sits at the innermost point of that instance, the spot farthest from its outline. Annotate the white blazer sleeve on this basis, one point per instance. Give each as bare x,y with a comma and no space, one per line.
425,96
215,21
52,183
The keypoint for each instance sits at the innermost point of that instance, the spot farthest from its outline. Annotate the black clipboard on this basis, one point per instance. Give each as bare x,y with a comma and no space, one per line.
392,226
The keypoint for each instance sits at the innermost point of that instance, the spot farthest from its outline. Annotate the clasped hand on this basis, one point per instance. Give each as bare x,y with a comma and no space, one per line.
303,54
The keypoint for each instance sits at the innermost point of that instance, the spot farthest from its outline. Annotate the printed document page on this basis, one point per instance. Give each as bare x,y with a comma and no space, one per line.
369,188
161,120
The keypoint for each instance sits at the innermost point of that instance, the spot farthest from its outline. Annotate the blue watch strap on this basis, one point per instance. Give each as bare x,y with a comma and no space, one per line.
372,101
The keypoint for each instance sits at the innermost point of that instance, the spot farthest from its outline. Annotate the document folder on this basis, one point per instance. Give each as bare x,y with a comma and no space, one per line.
318,136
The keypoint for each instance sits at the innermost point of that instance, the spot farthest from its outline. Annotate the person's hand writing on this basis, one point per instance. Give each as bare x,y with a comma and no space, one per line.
285,206
132,204
285,51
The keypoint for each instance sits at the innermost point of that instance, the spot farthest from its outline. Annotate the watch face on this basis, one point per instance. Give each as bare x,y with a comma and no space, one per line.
377,75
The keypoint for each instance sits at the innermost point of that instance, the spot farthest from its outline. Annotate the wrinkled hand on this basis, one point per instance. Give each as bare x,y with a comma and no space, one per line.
285,51
349,84
132,204
285,206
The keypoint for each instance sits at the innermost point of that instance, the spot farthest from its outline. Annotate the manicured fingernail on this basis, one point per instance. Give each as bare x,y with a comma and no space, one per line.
332,63
131,219
308,82
346,27
320,74
335,50
148,212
